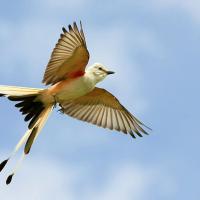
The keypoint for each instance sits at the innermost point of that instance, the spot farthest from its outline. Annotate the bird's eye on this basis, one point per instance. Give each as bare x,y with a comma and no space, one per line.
100,68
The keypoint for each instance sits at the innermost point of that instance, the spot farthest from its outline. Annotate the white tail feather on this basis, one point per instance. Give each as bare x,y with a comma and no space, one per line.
22,141
18,91
44,116
36,126
40,124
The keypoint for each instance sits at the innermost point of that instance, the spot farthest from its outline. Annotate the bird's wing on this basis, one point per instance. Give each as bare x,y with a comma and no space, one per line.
69,57
101,108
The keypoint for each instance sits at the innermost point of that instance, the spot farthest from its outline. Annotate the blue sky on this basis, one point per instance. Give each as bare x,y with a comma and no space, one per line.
154,48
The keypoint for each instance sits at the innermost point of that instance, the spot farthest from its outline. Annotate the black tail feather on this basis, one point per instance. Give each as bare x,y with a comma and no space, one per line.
29,107
9,179
34,119
3,164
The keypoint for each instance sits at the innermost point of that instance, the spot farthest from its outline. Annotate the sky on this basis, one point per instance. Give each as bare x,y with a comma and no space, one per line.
153,46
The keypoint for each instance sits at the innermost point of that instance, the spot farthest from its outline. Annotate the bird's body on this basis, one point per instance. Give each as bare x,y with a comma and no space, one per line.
73,88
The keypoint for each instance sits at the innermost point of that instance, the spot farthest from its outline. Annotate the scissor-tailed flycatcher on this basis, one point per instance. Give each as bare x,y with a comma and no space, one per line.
72,87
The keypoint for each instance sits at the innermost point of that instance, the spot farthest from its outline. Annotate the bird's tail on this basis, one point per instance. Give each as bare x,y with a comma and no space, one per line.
35,112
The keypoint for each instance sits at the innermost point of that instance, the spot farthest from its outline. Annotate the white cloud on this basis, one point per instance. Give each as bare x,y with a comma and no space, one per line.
70,6
39,180
23,48
49,179
192,7
124,182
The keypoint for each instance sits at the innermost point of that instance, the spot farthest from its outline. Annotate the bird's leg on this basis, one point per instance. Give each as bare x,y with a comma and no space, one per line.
55,101
62,109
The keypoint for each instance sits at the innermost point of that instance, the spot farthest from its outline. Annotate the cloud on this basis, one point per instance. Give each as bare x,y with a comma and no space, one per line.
38,180
50,179
191,8
124,182
62,6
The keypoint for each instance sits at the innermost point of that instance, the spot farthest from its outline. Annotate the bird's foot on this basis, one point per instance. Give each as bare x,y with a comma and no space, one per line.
61,110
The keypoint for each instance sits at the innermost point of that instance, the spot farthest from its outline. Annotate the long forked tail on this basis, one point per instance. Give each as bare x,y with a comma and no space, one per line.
35,112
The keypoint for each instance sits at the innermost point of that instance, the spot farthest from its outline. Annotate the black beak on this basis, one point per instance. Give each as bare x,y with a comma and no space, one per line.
110,72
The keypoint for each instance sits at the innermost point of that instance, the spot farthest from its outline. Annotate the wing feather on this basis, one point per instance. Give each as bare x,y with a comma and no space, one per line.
88,114
101,108
114,120
120,121
69,55
109,119
93,116
100,116
104,118
125,123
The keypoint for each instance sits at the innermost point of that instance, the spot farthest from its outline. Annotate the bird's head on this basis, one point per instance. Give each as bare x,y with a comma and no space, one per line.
99,72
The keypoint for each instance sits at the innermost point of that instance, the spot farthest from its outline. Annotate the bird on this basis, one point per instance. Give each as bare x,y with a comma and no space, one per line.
72,87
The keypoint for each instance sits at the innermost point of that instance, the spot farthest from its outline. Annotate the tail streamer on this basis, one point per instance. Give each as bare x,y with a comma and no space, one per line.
36,112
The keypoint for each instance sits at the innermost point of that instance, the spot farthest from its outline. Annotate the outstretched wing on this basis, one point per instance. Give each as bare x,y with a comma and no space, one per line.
101,108
70,56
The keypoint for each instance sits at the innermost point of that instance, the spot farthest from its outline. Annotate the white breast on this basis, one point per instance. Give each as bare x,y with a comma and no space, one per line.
76,88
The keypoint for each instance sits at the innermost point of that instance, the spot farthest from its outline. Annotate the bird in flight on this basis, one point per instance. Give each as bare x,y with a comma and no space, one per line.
72,86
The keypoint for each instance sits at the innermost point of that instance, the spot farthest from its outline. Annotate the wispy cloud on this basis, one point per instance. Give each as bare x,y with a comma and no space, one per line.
50,179
191,8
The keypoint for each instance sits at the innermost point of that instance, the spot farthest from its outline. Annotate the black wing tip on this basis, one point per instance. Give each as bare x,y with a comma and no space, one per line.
3,164
70,27
9,179
64,29
132,135
142,124
81,24
147,127
138,132
144,131
74,24
142,128
2,95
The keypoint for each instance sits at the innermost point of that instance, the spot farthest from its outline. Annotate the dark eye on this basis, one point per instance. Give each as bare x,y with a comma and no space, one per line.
100,68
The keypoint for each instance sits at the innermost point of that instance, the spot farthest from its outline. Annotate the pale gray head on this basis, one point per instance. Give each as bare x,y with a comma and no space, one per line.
98,72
